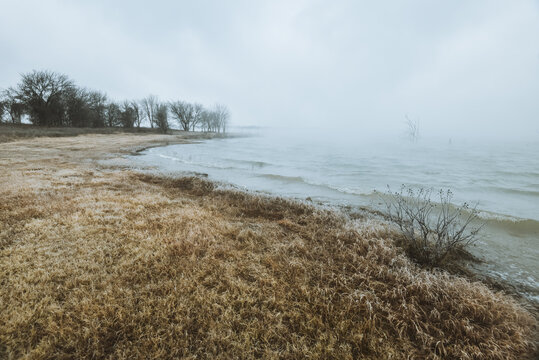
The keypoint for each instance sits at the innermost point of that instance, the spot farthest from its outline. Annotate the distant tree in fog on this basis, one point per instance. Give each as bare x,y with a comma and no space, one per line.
161,117
207,120
214,120
222,117
198,109
149,106
412,129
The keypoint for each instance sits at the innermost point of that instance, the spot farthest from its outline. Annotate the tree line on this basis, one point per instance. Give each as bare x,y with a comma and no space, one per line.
52,99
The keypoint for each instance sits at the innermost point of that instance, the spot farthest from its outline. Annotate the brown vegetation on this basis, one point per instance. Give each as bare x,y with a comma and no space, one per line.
13,132
432,231
103,263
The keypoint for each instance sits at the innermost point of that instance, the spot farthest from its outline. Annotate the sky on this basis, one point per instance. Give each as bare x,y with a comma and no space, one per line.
456,67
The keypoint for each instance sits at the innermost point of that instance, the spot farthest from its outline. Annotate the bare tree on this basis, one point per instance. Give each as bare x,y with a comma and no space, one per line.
127,115
161,116
97,102
214,120
222,117
206,120
137,113
184,113
413,129
149,106
2,109
12,106
113,115
16,111
77,112
198,109
52,99
42,94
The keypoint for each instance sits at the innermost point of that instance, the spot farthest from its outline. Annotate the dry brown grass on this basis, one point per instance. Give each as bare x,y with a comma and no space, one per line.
100,263
13,132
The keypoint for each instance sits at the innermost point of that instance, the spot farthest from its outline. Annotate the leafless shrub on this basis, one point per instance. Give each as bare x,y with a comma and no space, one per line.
432,230
413,129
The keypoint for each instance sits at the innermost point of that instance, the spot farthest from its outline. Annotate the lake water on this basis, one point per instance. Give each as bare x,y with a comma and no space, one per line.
501,177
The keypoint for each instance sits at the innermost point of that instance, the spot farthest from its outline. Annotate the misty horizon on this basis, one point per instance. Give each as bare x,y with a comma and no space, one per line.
460,69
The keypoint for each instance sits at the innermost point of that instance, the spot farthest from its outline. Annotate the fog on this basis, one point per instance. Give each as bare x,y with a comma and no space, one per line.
459,68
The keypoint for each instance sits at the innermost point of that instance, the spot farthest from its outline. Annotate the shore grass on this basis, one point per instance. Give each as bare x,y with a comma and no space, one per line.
97,262
14,132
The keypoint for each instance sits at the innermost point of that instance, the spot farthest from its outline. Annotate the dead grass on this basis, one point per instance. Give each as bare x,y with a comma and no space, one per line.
14,132
114,264
11,132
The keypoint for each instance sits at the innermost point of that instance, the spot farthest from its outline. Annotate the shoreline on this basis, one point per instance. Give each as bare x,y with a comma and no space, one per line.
471,264
96,232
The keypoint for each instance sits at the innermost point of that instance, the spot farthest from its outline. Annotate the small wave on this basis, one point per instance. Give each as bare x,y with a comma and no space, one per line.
514,225
492,216
289,179
531,174
510,223
252,163
325,186
347,190
197,163
518,192
169,157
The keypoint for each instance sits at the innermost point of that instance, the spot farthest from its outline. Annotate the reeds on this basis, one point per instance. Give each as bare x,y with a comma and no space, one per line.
115,264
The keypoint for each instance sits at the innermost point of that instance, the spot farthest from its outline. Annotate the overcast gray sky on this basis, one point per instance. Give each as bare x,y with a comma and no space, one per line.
457,66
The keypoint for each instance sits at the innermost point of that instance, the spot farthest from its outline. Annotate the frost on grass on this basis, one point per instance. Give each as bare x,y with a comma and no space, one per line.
124,265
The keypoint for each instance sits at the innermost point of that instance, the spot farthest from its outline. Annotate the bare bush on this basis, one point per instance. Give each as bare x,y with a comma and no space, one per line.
432,231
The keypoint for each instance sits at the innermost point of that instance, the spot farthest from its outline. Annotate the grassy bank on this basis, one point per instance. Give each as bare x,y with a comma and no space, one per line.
98,262
14,132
